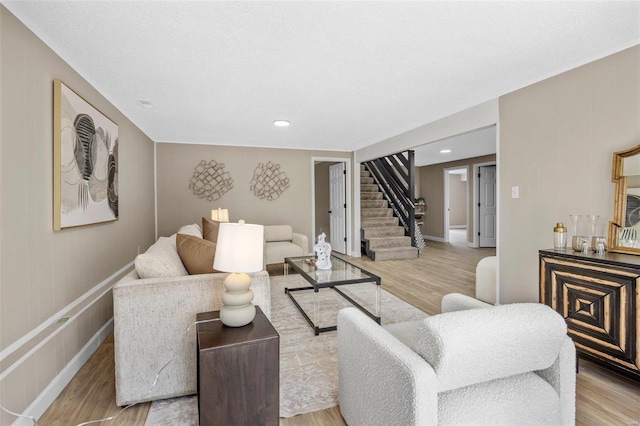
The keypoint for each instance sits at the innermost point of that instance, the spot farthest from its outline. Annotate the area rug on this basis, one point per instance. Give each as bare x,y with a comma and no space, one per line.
308,363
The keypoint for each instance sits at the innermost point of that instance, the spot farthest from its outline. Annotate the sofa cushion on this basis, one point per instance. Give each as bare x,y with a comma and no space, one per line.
210,229
196,254
160,260
275,252
461,346
523,399
278,233
404,331
193,229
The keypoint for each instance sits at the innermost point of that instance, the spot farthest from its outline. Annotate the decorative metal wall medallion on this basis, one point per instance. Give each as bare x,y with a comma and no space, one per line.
210,180
269,181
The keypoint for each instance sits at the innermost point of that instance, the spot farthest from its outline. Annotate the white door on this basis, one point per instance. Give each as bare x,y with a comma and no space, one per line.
488,206
338,208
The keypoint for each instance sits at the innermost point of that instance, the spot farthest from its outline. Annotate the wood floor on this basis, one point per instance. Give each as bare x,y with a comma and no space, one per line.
603,398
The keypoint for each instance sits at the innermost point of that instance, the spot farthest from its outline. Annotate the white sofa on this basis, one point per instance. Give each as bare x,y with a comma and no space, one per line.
503,365
280,241
151,318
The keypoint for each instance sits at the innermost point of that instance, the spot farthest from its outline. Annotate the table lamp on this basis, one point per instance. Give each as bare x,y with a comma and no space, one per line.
220,215
239,250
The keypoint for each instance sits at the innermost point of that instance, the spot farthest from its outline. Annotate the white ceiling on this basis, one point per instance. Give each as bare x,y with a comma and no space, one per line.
346,74
468,145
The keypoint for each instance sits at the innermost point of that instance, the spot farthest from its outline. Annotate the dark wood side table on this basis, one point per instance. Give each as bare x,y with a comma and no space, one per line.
238,372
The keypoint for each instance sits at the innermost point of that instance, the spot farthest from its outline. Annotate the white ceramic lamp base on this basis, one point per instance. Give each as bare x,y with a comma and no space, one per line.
237,309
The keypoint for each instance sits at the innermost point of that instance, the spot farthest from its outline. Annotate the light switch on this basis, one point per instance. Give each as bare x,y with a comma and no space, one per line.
515,192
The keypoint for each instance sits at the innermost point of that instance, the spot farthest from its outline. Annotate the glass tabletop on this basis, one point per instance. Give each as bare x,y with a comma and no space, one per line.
319,305
341,272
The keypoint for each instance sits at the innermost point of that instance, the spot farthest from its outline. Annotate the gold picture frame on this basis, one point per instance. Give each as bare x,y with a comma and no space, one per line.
624,229
85,161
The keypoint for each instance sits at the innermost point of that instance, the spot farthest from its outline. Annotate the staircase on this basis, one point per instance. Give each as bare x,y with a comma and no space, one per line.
382,236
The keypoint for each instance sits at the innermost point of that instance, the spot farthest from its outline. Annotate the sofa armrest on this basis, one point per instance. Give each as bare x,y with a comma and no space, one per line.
381,381
151,319
459,302
562,376
302,241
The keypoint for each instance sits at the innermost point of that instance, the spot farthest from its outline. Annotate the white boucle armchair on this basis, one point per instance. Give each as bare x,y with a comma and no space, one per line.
503,365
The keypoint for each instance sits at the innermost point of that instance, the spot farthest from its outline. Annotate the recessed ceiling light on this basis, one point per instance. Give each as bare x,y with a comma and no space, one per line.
281,123
145,104
445,151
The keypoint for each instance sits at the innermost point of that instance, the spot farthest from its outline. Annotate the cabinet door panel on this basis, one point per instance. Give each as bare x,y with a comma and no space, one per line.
599,304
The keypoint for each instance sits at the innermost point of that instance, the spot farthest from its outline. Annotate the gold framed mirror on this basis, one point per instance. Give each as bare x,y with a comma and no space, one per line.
624,230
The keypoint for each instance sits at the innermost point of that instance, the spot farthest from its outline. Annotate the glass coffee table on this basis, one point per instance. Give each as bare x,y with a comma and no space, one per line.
342,273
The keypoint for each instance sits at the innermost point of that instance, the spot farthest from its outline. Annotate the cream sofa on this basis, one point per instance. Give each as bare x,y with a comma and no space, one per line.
280,241
152,316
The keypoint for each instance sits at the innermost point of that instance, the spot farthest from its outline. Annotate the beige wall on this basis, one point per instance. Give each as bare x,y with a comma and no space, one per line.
42,272
432,190
178,206
556,143
457,201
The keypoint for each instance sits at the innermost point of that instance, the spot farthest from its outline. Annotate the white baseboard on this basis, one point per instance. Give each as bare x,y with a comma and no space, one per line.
39,405
432,238
73,312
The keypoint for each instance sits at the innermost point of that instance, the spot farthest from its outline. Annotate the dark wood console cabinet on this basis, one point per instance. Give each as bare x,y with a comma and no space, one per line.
599,297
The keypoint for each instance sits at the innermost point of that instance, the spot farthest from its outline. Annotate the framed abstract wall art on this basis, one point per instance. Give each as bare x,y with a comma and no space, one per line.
85,156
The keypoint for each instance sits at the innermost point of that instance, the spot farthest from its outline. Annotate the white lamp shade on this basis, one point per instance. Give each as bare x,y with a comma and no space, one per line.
239,248
220,215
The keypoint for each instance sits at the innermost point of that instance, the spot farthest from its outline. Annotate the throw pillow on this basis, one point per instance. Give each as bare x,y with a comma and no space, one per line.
160,260
196,254
193,229
210,229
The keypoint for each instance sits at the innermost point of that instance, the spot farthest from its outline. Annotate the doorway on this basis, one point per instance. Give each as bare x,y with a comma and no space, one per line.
456,206
331,208
338,207
487,205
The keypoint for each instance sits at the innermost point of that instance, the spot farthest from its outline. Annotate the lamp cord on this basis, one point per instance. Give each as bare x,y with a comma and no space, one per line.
122,410
33,419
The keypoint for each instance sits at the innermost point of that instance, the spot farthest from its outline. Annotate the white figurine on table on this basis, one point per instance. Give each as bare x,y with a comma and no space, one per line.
323,252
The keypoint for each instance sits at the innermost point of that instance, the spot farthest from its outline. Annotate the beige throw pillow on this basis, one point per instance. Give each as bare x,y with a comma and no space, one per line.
210,229
193,229
196,254
160,260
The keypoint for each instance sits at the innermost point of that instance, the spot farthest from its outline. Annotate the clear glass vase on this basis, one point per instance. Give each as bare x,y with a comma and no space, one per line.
575,222
593,223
